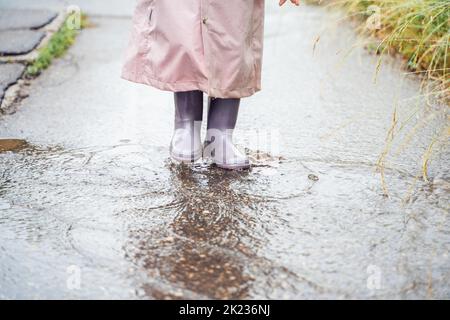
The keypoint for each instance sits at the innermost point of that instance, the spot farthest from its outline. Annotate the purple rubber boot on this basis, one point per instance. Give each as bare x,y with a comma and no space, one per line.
186,145
219,147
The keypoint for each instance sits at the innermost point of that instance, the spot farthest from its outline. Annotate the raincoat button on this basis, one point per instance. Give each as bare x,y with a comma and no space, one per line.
204,20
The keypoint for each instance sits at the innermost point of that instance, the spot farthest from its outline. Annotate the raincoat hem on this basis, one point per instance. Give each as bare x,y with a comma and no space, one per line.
191,85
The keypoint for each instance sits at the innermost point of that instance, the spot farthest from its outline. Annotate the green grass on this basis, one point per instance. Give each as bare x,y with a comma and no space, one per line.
418,30
58,44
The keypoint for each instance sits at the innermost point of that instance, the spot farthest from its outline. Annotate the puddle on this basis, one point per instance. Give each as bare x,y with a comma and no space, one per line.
137,225
4,205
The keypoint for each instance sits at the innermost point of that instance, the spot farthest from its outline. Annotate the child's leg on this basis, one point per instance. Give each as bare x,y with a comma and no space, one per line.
186,143
222,117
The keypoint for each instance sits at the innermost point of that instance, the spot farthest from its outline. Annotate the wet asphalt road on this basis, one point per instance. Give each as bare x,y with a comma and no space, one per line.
92,207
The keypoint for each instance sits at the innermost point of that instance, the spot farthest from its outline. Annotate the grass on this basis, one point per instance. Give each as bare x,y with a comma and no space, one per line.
419,31
58,44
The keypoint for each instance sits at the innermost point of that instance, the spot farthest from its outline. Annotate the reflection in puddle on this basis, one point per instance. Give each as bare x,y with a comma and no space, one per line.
210,247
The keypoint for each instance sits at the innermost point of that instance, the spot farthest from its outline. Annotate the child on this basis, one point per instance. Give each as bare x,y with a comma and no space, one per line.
191,47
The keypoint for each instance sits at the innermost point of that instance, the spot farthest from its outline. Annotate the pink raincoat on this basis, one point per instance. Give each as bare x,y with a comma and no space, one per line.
210,45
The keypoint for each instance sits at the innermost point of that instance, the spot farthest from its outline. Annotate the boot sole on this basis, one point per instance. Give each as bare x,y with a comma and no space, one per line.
233,167
186,159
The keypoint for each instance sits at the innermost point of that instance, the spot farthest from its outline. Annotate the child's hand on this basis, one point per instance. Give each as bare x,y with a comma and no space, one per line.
296,2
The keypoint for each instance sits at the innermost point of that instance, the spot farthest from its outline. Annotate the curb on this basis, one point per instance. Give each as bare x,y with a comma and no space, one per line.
15,92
